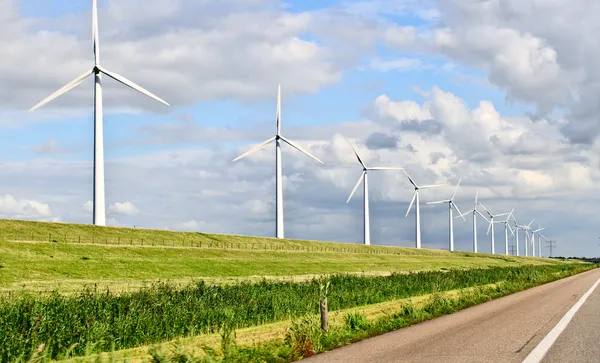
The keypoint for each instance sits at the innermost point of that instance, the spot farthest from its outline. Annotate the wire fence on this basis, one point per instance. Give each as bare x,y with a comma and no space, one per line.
205,242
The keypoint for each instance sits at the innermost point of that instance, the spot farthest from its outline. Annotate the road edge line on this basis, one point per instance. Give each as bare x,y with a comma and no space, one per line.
539,352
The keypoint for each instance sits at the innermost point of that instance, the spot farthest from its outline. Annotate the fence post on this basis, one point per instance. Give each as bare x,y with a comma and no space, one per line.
49,237
79,238
16,235
32,236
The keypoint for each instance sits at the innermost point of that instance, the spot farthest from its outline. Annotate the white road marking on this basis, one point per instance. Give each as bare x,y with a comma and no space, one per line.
540,351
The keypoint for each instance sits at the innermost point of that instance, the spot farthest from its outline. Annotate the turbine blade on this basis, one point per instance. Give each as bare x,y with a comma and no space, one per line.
488,212
130,84
413,182
458,210
385,168
432,186
439,202
456,189
489,227
278,109
411,204
356,153
476,197
464,214
530,223
538,230
297,147
254,149
95,40
501,214
482,216
510,214
69,86
362,175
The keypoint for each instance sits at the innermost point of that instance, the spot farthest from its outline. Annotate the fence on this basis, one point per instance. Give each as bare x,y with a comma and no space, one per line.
205,242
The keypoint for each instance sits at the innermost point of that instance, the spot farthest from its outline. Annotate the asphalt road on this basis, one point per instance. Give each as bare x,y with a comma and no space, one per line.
503,330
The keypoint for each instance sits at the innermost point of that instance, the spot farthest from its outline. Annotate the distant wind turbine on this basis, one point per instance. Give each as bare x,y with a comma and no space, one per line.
475,213
506,229
99,211
364,176
491,226
533,241
417,207
451,220
278,171
525,229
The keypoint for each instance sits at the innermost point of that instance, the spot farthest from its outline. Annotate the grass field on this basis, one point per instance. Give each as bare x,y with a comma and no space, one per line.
31,263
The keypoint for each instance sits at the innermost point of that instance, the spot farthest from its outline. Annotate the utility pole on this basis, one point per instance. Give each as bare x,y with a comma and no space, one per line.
512,250
551,245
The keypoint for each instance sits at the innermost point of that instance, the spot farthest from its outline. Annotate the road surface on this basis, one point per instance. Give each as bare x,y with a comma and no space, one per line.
504,330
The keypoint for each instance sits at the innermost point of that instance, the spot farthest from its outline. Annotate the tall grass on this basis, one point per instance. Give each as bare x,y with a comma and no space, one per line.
94,321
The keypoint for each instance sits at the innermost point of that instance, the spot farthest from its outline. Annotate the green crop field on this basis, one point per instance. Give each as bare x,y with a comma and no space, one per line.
126,258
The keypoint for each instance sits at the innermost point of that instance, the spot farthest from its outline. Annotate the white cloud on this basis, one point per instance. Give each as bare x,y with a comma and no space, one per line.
12,207
124,208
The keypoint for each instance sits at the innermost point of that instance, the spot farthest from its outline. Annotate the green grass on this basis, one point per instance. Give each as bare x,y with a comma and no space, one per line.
44,266
97,321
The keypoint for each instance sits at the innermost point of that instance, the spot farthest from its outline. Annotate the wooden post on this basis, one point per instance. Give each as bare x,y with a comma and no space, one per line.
32,237
16,235
323,307
79,238
49,237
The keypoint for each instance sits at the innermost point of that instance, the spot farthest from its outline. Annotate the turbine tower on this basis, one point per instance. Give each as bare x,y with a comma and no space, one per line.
364,176
506,229
475,213
278,171
99,210
417,209
451,220
491,226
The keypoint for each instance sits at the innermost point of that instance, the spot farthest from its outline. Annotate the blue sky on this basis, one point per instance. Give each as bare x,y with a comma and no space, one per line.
221,75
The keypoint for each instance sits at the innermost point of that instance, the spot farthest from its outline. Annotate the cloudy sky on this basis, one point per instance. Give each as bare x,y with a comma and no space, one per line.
503,94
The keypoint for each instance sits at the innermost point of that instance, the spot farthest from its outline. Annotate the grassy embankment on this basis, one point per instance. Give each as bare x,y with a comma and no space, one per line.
126,258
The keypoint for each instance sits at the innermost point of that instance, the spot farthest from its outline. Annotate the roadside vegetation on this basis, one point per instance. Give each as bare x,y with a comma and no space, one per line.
57,326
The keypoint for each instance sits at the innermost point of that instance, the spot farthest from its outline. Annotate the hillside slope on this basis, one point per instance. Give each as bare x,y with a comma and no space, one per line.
123,258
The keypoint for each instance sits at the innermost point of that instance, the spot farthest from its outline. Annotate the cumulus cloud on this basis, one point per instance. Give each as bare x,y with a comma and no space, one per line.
11,207
535,51
123,208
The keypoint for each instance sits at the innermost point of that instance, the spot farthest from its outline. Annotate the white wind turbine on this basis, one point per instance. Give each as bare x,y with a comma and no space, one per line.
278,171
364,176
533,241
506,229
99,214
475,213
451,219
417,207
525,229
491,226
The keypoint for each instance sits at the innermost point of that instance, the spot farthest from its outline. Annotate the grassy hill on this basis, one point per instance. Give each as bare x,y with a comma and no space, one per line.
45,256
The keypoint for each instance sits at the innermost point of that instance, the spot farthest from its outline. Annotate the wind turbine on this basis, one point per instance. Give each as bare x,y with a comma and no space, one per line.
475,213
99,214
524,228
506,229
492,216
451,220
417,209
278,171
533,241
364,176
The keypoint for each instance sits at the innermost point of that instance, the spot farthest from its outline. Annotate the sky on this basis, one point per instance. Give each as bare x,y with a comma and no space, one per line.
502,95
